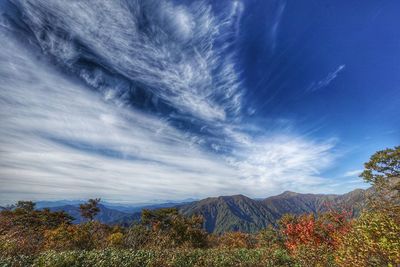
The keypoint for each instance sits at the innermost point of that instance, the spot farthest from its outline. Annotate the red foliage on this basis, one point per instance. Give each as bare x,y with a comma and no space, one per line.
327,229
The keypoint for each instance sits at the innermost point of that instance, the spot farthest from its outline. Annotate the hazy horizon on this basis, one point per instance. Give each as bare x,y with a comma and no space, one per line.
151,202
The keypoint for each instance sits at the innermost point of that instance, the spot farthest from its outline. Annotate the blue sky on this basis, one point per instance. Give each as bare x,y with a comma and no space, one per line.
332,67
167,100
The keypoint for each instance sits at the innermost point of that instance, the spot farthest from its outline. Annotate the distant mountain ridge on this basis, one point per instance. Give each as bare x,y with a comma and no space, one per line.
128,208
106,215
110,213
231,213
240,213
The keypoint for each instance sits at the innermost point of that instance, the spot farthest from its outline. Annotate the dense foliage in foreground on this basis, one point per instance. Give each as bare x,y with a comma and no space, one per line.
30,237
139,258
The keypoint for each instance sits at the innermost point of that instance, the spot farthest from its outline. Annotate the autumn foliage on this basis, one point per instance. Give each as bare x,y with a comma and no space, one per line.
327,229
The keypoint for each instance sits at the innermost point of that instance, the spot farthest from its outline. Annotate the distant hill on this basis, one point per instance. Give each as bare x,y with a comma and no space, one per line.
295,203
57,203
128,208
110,213
240,213
106,215
228,213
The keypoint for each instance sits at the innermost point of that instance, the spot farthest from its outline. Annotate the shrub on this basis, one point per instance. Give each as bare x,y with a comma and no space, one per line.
22,229
116,240
169,229
137,237
270,238
373,241
237,240
90,235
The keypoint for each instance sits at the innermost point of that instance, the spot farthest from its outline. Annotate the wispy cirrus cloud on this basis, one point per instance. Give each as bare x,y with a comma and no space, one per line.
352,173
60,140
275,24
315,86
172,53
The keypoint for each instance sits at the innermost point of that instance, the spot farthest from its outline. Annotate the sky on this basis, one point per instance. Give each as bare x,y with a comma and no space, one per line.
141,101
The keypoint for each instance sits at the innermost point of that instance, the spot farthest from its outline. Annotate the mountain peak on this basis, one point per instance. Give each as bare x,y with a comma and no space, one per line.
289,193
235,197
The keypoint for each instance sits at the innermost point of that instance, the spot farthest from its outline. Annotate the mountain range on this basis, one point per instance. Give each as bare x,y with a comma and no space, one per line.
110,213
229,213
240,213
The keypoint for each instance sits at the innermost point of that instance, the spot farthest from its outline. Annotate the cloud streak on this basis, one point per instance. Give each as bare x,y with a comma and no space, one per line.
275,24
352,173
315,86
172,52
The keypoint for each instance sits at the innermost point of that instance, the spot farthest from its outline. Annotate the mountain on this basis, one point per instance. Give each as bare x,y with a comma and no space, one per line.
295,203
228,213
110,213
57,203
240,213
127,208
106,215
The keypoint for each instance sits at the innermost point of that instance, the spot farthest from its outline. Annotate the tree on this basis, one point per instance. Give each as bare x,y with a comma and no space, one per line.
85,236
382,167
22,229
27,206
383,172
90,209
171,229
313,239
374,238
159,219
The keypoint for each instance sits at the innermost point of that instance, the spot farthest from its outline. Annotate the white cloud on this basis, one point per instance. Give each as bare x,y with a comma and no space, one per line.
315,86
275,25
58,139
352,173
281,162
172,50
